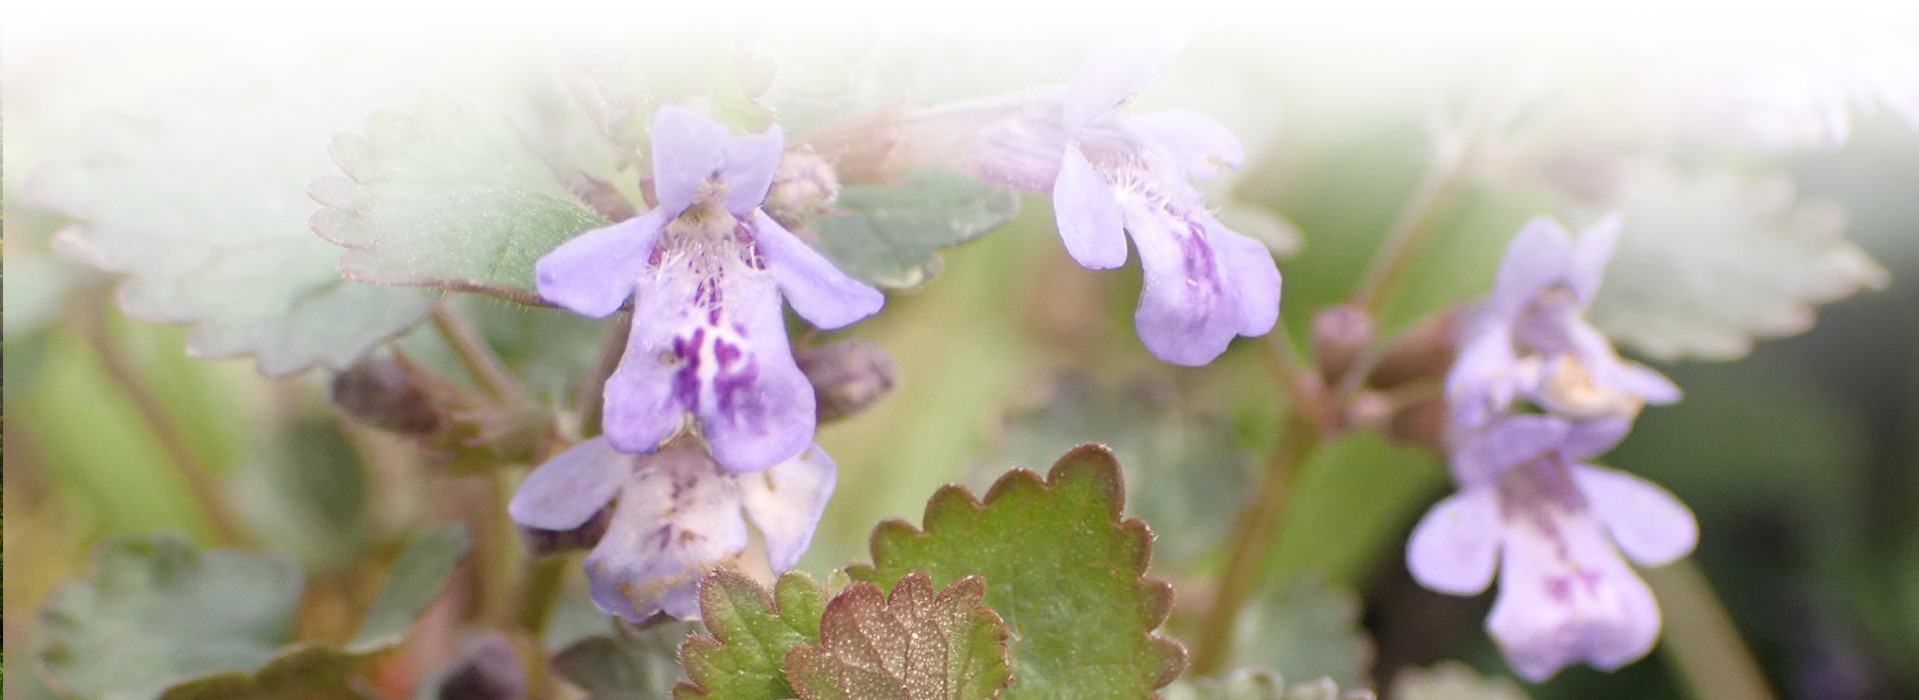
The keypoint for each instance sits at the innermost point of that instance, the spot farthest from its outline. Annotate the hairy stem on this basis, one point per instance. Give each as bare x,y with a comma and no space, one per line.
476,357
1452,169
91,322
1701,642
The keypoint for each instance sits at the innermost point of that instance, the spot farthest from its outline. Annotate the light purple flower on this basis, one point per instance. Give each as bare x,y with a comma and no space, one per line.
1554,528
678,515
1114,174
706,271
1529,339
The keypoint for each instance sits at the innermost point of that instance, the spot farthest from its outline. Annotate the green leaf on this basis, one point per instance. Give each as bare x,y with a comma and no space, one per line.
1182,461
1452,680
1259,684
304,672
910,645
414,582
1062,569
445,193
890,236
746,656
1307,630
157,611
1708,262
637,665
1350,504
202,202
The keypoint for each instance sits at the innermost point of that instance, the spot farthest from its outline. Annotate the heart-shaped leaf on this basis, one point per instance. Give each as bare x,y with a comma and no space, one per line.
746,656
910,645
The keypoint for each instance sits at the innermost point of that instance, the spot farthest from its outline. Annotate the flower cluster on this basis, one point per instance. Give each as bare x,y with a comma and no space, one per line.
1536,392
706,271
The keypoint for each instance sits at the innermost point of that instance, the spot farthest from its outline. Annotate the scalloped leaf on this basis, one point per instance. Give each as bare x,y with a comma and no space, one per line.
1307,629
746,656
1259,684
890,236
1062,568
446,193
201,201
909,645
1709,262
155,612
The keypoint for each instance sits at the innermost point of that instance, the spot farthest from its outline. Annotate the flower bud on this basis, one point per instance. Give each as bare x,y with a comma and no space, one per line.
387,393
1424,352
493,670
847,375
1421,424
803,186
1340,334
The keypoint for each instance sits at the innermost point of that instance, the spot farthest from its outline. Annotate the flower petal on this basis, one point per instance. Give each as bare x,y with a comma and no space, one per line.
1187,312
786,502
1589,438
1254,278
755,407
750,164
1200,143
1537,257
1455,548
570,488
1090,220
1566,596
688,149
1590,255
1482,381
818,291
1116,73
593,274
1647,522
1480,456
678,516
657,379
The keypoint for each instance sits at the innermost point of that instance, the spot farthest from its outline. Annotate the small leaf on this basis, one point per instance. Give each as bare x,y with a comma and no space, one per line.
890,236
1307,630
1259,684
1061,567
642,665
909,645
414,582
157,611
202,203
1709,262
1452,680
745,657
445,193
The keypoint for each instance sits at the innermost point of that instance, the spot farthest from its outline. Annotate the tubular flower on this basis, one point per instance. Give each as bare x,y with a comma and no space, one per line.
1554,528
1529,339
1114,174
676,515
706,271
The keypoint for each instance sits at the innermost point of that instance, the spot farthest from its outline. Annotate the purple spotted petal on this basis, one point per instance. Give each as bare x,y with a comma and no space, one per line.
648,393
1091,222
757,410
818,291
1566,596
786,502
1253,275
1480,456
592,275
569,488
750,164
1647,522
1537,258
1187,312
689,148
1115,73
1590,254
1200,143
678,516
1455,548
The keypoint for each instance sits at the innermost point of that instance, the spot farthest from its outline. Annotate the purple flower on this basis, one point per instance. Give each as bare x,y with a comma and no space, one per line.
706,271
1554,528
677,516
1114,174
1529,339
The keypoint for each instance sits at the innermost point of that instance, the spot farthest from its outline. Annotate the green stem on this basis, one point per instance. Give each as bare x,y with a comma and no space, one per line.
541,579
1451,171
1701,641
477,358
207,491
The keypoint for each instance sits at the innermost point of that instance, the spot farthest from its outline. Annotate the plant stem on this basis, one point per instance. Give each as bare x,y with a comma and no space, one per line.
1701,641
590,403
1258,526
541,579
476,357
208,493
1451,171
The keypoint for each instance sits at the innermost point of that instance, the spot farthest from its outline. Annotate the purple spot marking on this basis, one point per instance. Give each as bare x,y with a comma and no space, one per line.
686,380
